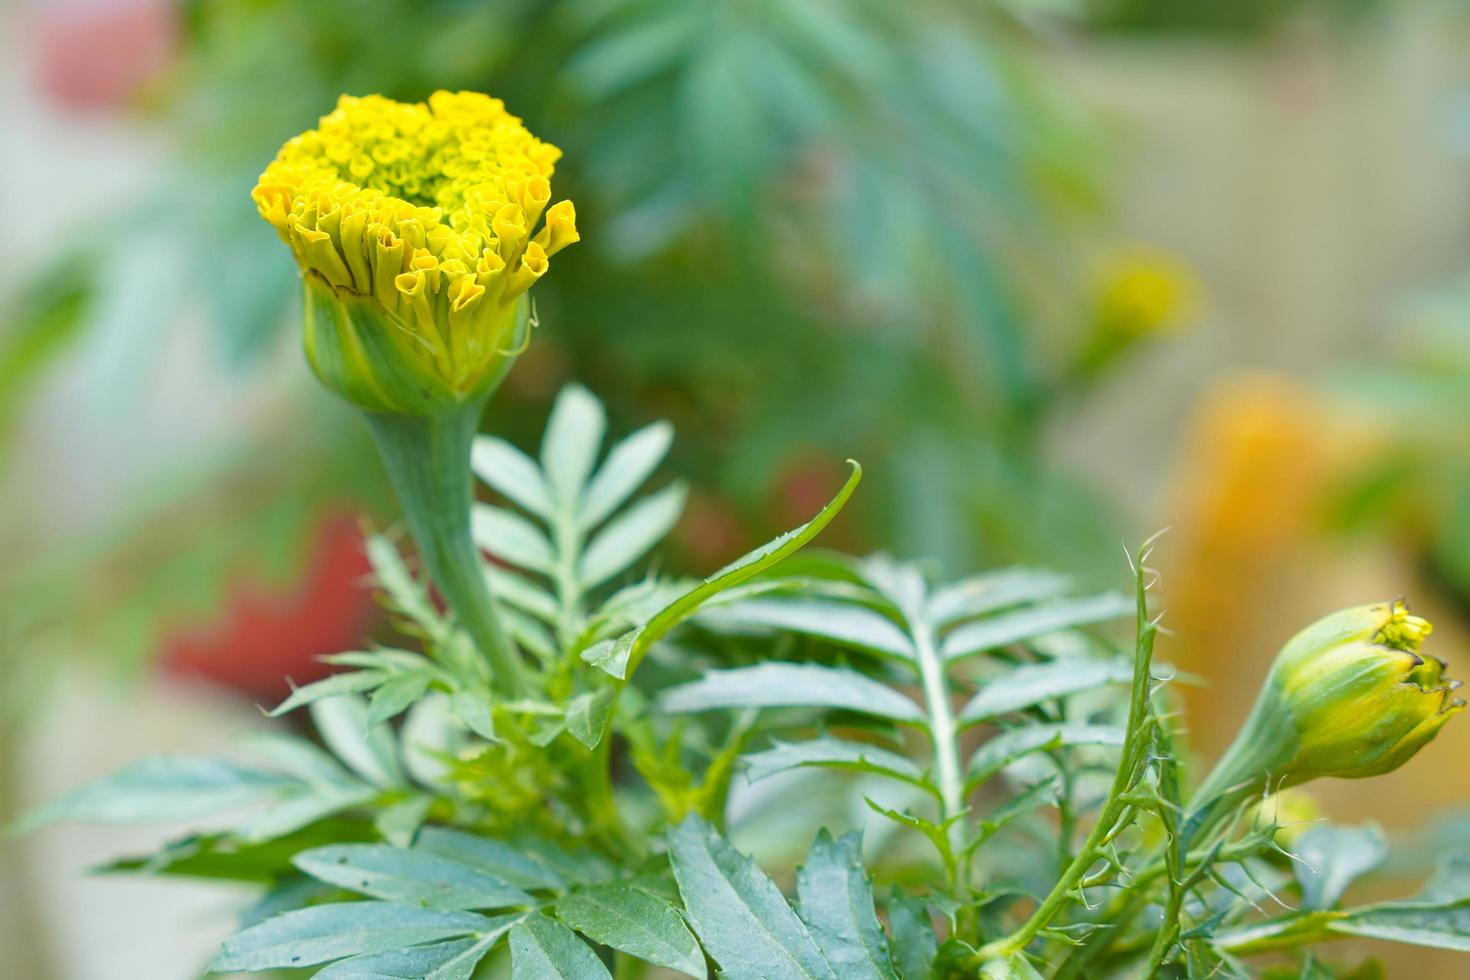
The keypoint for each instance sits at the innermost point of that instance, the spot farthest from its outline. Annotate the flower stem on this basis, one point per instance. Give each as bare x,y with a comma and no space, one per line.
428,463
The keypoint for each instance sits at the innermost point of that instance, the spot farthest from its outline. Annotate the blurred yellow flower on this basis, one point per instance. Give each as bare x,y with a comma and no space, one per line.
413,227
1142,292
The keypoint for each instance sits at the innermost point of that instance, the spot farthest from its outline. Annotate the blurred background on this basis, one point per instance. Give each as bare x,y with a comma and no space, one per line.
1058,272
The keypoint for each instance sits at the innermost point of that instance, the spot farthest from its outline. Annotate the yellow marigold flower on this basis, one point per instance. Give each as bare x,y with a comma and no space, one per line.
1349,696
414,225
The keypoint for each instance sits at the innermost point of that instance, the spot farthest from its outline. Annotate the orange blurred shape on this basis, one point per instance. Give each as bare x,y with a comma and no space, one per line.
264,636
96,54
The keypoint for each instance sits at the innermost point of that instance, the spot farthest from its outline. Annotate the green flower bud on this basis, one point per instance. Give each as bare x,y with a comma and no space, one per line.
1349,696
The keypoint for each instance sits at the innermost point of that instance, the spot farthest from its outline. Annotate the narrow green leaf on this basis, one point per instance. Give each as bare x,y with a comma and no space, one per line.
404,591
1035,621
625,917
1421,924
569,446
738,913
992,591
1034,683
413,877
164,788
845,624
1331,857
454,960
543,949
342,723
830,753
348,682
516,865
1013,967
520,592
628,464
630,535
837,906
621,657
587,716
299,758
302,808
784,685
511,472
511,538
1014,743
304,937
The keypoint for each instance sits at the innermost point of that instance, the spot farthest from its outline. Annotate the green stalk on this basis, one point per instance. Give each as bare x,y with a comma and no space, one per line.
1130,765
428,463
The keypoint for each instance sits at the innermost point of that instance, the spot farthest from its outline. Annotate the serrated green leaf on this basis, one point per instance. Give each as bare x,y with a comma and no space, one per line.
372,753
1032,684
511,538
544,949
473,707
627,466
621,657
569,446
784,685
413,877
1421,924
1012,744
587,715
630,535
914,943
349,682
393,696
738,913
519,866
305,937
992,591
845,624
400,822
164,788
301,808
830,753
625,917
837,906
1330,858
1036,621
511,472
454,960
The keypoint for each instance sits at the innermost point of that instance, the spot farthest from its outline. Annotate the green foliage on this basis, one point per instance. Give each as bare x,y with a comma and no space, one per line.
1019,775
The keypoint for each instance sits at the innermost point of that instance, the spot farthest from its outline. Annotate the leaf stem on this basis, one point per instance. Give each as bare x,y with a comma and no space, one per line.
943,731
1134,758
428,463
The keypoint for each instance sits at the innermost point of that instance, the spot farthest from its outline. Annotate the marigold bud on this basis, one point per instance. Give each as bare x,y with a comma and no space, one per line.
413,227
1349,696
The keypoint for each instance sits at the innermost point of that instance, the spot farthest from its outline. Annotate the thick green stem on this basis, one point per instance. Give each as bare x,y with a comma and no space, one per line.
428,462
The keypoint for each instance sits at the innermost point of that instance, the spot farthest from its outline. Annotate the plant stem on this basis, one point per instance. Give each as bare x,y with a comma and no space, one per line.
942,731
428,463
1134,757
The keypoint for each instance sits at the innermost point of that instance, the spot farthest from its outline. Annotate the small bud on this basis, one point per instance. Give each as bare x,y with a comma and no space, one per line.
1349,696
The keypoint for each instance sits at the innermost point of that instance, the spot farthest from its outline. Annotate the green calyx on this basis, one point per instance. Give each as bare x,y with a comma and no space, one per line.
380,363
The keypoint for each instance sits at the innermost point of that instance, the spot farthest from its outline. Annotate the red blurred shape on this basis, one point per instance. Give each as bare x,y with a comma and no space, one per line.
96,54
263,636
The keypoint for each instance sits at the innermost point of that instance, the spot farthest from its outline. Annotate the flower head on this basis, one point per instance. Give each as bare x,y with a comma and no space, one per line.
414,227
1349,696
